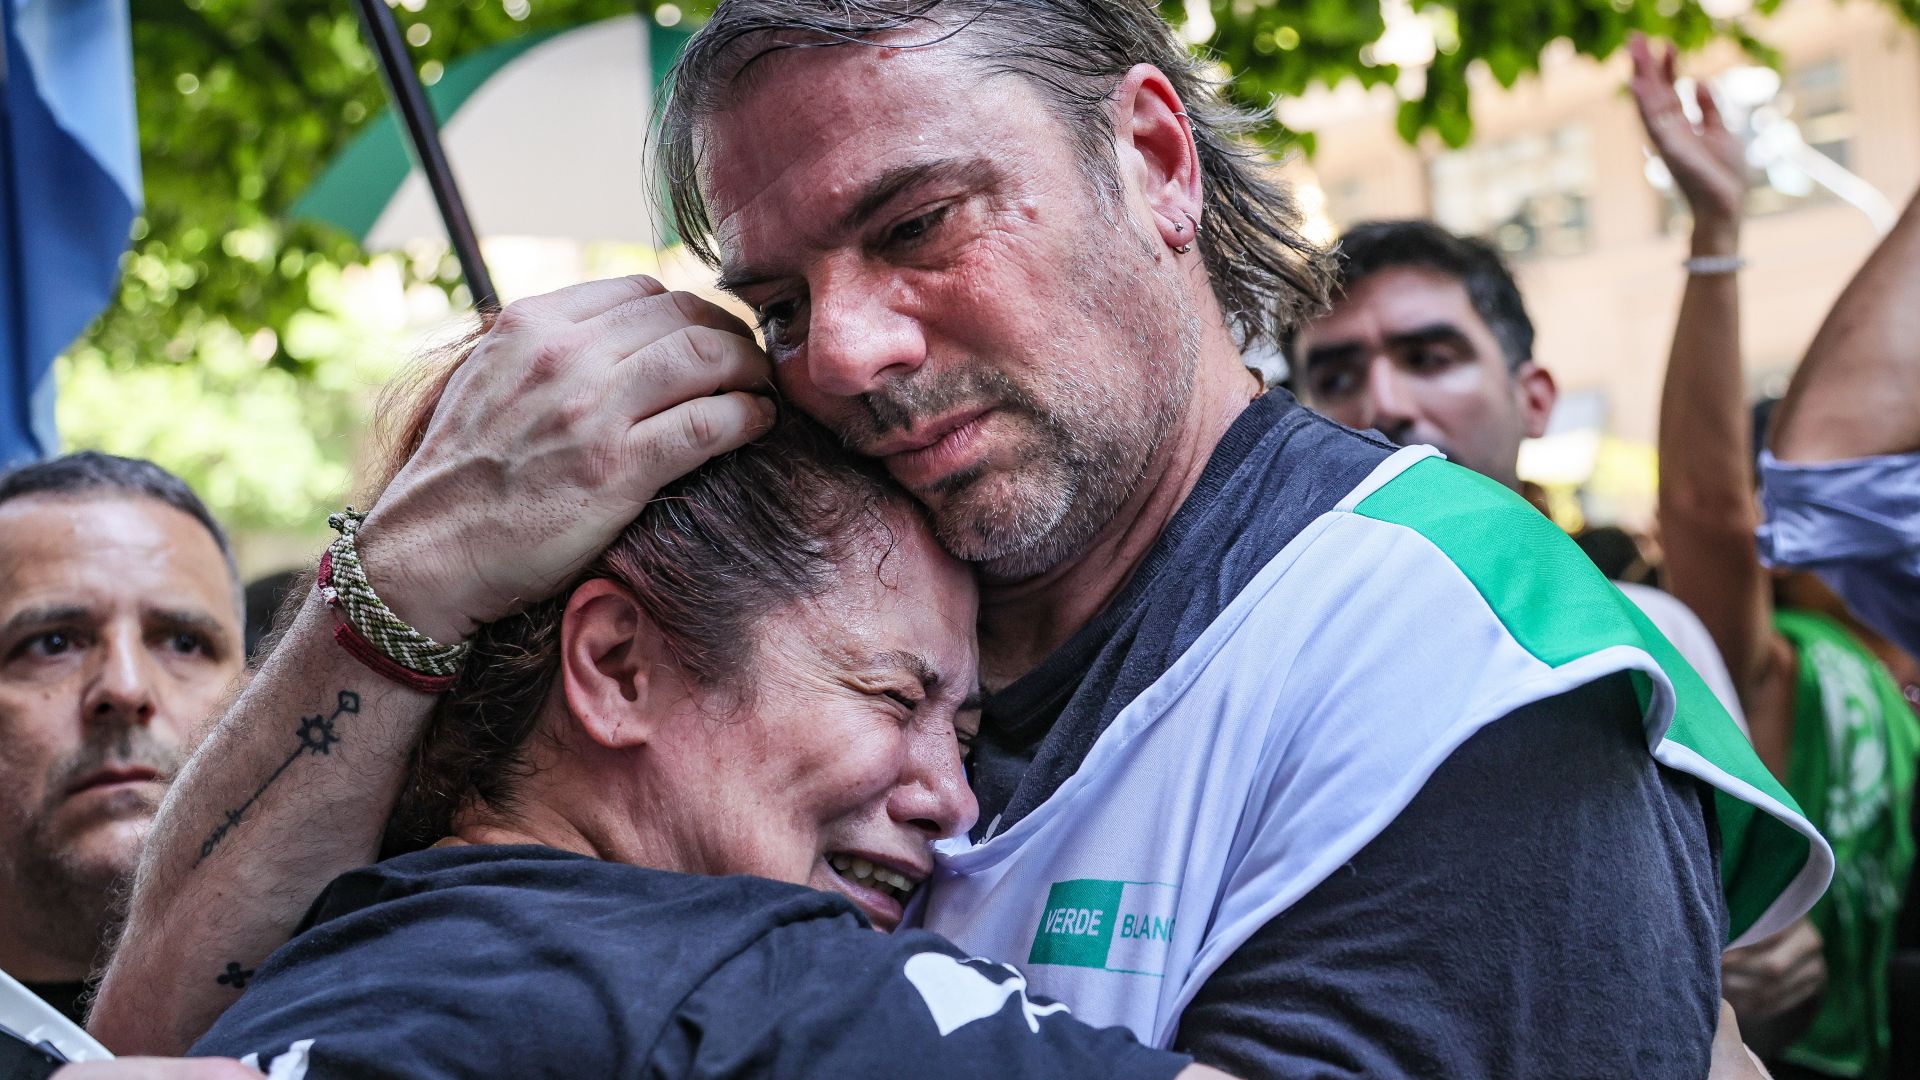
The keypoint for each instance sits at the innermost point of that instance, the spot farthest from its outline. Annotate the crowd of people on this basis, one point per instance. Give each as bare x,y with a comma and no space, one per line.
1162,721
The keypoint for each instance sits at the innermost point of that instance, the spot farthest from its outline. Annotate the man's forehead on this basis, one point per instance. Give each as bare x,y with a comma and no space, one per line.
123,544
806,130
1410,294
1394,301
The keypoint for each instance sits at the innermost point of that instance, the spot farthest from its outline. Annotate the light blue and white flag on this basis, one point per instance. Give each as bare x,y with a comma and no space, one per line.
69,189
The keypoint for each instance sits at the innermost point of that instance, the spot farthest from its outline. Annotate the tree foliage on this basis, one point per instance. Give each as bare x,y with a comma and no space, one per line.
1281,48
243,102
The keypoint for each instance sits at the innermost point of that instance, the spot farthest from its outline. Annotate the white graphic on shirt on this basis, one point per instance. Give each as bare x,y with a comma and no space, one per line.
957,994
291,1065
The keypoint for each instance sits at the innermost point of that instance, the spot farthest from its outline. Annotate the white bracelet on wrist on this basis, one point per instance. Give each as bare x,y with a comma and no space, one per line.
1715,264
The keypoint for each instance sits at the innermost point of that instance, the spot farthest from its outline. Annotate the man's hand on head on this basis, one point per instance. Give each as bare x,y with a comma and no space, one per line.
570,414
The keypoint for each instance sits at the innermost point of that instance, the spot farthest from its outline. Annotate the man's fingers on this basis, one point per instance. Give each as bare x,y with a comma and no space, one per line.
626,328
1710,120
1777,974
1659,106
692,362
1800,988
670,444
577,303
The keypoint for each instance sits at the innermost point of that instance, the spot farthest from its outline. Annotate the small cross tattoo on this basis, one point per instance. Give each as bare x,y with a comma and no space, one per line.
235,976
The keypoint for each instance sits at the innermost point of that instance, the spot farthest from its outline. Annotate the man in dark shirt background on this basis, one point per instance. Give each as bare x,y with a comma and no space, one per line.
119,632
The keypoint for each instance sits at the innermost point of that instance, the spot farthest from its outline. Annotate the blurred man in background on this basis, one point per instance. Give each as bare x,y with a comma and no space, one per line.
119,634
1428,341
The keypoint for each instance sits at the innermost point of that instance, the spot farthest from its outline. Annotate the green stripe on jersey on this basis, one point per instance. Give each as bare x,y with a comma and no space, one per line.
1559,607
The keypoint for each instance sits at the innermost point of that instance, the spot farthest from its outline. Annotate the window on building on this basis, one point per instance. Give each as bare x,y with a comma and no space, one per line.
1813,99
1818,102
1810,110
1527,194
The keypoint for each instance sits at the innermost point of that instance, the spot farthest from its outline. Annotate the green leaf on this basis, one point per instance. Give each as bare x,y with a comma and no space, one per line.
1411,117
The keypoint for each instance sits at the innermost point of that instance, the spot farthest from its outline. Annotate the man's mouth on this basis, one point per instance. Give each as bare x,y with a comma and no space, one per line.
878,889
922,457
113,776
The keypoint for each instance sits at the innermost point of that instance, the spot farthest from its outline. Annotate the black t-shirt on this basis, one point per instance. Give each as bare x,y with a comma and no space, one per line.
68,997
1520,918
527,961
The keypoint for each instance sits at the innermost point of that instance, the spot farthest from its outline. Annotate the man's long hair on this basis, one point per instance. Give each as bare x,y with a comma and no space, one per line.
1264,273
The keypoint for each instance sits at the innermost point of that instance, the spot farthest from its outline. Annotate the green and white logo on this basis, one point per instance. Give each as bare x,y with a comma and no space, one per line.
1119,926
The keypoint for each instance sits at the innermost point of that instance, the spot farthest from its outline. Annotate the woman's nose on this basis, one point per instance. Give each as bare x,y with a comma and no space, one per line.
934,795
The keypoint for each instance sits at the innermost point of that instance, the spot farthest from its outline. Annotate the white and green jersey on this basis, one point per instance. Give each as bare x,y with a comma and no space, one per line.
1292,731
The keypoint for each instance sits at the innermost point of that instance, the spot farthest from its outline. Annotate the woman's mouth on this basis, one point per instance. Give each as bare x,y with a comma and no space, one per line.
878,890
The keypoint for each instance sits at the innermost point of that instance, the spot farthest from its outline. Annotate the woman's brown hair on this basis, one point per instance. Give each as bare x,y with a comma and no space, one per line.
707,559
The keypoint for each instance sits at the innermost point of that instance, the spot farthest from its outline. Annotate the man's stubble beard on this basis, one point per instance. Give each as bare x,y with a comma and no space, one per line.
71,899
1094,440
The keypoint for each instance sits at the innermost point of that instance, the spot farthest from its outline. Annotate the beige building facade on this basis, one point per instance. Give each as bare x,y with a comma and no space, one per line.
1558,176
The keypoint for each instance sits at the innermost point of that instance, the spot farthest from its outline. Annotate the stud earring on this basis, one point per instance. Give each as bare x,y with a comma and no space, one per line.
1188,246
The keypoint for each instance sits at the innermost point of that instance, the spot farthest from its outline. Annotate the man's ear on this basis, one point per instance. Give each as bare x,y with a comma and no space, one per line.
1155,147
618,676
1535,392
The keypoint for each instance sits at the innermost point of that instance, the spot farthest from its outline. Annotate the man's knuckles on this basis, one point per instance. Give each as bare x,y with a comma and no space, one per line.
559,352
657,315
708,422
517,318
692,362
578,303
686,435
703,312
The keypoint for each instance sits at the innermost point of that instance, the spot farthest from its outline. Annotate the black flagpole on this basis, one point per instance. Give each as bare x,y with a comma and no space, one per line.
410,98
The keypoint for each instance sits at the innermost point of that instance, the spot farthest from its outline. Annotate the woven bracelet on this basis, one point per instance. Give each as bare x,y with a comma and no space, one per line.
369,630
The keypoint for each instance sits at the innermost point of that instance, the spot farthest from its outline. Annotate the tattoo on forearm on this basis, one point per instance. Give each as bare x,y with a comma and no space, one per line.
316,736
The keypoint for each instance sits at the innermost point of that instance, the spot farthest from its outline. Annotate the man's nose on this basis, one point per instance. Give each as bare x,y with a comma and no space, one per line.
122,693
1388,401
934,795
857,340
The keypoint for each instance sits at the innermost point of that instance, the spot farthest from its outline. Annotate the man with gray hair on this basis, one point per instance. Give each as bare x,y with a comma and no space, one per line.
119,633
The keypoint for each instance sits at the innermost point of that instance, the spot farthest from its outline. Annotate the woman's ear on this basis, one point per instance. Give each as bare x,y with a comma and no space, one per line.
618,676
